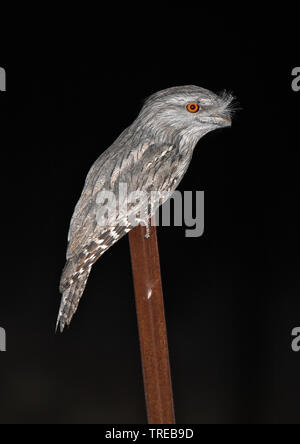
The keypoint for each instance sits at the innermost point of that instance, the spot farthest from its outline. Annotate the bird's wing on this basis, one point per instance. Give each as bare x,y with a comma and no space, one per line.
115,163
83,222
146,167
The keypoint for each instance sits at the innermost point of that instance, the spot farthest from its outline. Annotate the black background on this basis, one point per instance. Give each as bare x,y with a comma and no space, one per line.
232,296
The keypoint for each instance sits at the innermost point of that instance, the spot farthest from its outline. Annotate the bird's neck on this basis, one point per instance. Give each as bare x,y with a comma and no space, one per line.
184,139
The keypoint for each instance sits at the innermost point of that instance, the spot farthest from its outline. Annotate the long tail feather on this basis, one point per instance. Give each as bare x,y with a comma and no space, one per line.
71,296
77,270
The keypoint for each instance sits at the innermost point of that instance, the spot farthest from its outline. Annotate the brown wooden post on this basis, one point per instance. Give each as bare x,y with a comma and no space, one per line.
152,326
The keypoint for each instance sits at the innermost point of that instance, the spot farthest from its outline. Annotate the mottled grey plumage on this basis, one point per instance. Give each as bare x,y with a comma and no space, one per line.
152,154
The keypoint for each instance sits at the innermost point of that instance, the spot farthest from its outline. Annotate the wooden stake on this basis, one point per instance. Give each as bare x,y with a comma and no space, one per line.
152,326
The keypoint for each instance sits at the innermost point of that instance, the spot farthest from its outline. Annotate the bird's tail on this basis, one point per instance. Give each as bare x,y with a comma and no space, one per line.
72,286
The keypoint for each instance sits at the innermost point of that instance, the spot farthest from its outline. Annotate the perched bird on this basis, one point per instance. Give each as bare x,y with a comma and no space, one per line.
152,154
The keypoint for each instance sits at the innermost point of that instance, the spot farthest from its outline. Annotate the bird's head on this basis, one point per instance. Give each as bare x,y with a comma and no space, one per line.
187,111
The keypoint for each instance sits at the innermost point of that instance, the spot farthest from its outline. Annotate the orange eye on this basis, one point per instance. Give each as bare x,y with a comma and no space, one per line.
192,107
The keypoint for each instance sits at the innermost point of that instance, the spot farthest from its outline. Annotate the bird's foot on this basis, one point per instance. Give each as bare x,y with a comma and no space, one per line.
146,223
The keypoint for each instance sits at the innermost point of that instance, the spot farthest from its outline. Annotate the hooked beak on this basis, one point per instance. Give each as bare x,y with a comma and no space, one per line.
218,121
221,121
226,121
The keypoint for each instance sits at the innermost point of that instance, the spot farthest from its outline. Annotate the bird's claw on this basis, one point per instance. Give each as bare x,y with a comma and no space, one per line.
146,224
